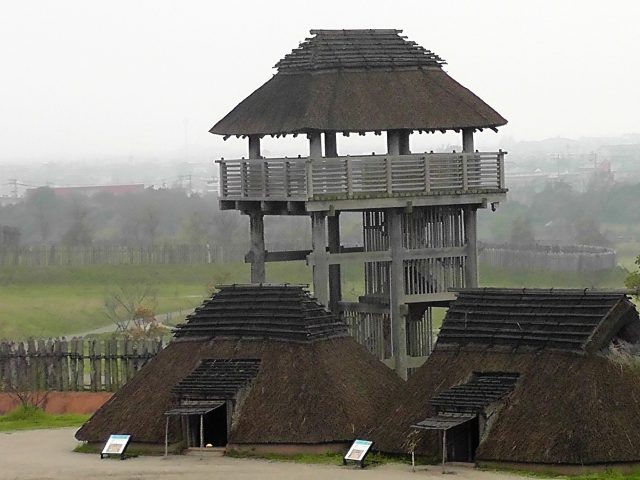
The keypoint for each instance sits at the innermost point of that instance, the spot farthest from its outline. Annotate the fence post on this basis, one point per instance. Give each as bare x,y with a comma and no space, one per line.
98,365
123,361
57,362
115,378
107,366
130,365
34,377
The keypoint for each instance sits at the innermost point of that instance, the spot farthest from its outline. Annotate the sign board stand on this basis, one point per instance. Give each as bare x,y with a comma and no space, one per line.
115,446
358,452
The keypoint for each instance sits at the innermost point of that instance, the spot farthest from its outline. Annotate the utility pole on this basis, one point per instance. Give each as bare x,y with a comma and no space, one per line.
14,187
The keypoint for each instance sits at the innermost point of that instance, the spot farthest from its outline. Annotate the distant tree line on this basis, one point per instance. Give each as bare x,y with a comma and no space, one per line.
557,213
149,218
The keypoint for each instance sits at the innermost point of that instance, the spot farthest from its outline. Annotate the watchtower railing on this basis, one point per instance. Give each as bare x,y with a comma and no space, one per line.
307,179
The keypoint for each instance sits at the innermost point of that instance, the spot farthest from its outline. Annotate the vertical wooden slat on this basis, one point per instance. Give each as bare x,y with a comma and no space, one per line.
64,365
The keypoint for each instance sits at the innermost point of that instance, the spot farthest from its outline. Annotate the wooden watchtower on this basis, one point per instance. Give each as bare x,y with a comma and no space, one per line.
418,209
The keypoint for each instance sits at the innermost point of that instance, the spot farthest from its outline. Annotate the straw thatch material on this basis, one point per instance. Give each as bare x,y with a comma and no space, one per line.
277,312
565,409
570,320
351,83
328,391
568,407
322,390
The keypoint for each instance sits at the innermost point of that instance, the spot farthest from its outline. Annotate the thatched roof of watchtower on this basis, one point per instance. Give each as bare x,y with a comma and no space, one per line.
358,81
570,400
303,379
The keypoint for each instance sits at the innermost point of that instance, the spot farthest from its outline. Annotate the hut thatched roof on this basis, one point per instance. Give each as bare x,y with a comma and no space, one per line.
321,391
568,406
278,312
358,81
571,320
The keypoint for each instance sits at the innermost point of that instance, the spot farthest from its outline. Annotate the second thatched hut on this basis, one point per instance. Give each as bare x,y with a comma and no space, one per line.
540,379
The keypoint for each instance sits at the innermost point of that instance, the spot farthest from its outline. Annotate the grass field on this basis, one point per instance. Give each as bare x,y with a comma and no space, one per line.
31,418
55,301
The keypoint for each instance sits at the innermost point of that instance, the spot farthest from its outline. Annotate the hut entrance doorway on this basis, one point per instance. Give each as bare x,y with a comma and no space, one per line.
202,423
463,440
208,429
460,435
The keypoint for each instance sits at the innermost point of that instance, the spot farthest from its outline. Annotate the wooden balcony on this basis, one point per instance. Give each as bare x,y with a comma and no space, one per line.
316,182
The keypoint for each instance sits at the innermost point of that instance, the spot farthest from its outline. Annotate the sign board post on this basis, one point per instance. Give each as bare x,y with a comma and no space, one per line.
358,451
116,445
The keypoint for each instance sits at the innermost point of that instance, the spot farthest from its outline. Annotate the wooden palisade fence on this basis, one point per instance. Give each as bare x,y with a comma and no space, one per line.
73,365
555,258
61,255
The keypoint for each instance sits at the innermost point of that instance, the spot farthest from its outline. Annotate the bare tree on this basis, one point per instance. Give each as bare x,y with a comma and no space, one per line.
130,306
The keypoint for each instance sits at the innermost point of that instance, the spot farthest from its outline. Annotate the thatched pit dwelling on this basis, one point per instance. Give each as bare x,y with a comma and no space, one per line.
526,378
267,367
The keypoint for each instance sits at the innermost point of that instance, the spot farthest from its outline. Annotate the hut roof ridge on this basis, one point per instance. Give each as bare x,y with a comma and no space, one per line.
278,312
356,48
571,320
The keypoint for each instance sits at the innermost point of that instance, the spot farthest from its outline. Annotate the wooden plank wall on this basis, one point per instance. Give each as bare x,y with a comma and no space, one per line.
73,365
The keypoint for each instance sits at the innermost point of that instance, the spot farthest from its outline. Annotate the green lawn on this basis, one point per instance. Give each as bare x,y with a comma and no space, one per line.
52,301
55,301
31,418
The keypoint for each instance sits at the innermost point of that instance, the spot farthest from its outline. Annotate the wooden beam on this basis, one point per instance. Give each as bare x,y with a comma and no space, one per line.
358,255
286,255
321,266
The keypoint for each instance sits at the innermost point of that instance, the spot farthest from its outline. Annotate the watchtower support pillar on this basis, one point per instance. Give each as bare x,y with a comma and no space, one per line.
333,232
471,238
256,225
321,262
467,140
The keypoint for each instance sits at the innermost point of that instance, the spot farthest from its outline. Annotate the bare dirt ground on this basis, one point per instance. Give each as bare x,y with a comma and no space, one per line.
47,454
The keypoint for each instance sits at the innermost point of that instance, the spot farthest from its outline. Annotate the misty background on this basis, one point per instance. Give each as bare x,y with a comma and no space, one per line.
124,93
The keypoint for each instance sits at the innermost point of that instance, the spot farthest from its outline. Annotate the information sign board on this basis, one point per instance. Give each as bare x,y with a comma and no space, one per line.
358,451
116,445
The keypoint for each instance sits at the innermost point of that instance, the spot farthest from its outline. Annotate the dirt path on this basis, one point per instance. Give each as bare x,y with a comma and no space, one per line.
161,318
47,455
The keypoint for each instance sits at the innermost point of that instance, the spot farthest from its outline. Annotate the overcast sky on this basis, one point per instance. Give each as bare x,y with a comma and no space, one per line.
89,79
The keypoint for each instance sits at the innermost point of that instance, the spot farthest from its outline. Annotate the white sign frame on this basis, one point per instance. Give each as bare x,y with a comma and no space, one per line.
358,451
116,445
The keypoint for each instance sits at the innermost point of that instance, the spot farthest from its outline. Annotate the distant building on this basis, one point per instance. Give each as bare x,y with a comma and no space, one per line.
9,236
91,190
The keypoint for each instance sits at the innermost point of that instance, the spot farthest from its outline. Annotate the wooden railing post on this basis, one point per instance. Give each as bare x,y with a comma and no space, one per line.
427,175
309,172
349,177
265,178
243,179
501,181
465,172
223,179
285,179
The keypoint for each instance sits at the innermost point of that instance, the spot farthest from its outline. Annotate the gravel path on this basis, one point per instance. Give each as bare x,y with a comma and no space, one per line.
47,455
